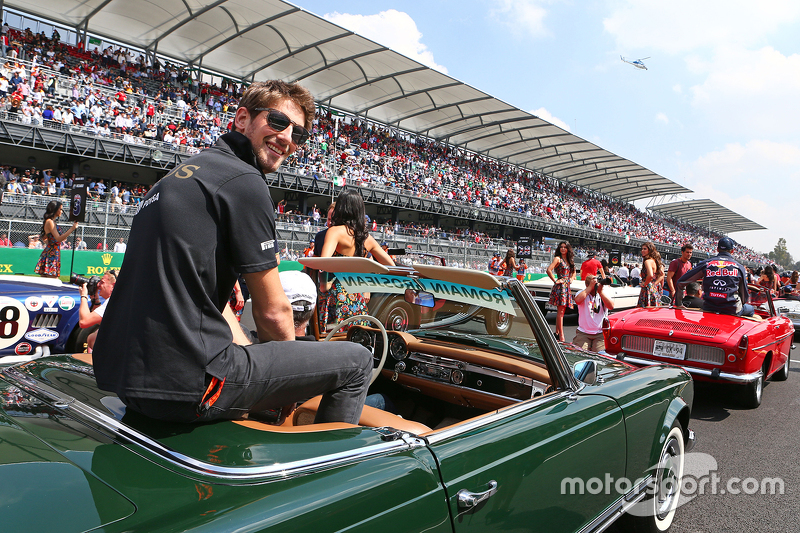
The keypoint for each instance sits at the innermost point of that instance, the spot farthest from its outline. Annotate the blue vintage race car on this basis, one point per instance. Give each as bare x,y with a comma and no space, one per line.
38,316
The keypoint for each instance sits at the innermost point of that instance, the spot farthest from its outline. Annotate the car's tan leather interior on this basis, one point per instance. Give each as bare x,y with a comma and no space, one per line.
261,426
370,417
85,357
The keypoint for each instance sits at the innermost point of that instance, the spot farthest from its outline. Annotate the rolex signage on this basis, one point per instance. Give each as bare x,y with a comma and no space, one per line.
87,263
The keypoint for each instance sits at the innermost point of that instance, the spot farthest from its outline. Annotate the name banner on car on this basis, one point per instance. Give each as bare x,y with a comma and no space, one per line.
375,282
491,299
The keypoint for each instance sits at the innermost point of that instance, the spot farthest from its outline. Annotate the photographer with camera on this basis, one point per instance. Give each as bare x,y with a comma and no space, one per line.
593,307
90,290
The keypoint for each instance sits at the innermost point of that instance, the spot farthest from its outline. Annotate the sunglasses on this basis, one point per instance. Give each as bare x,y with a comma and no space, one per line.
278,121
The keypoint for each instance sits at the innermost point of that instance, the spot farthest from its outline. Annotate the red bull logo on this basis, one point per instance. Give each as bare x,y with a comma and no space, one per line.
722,272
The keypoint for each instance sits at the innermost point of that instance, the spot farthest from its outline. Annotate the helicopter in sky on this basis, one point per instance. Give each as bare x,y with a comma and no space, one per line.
638,63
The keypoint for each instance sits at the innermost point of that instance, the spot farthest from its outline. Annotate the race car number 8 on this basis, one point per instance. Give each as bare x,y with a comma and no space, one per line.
13,321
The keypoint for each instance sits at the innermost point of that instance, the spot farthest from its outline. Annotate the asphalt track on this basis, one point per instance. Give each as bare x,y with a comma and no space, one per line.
734,442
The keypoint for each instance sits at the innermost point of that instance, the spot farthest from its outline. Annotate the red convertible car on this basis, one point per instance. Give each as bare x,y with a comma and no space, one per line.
711,346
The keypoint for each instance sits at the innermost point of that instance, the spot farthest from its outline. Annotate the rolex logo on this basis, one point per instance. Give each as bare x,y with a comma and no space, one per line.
107,259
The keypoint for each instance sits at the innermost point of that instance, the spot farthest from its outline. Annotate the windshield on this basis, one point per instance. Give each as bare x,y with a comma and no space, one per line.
471,316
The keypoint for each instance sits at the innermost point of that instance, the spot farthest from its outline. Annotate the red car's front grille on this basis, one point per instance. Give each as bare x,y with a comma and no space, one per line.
694,352
684,327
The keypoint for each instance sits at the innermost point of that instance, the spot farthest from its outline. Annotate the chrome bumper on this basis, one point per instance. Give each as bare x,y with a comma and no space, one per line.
712,374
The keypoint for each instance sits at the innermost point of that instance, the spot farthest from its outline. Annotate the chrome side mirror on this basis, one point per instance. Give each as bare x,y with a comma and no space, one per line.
585,371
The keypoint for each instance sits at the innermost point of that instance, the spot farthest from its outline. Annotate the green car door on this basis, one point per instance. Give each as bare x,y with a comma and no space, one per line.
517,470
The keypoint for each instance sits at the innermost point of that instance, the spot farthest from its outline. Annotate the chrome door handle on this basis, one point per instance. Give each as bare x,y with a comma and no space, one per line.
468,500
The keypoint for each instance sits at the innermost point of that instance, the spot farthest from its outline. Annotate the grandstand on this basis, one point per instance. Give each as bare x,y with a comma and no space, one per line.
442,166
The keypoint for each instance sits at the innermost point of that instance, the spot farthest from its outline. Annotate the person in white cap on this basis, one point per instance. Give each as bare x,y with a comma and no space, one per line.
302,295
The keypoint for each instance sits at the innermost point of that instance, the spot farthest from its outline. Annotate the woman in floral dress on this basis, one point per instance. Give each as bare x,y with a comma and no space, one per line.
652,277
49,264
562,272
348,237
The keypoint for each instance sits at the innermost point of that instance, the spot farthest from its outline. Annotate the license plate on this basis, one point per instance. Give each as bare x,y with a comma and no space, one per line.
673,350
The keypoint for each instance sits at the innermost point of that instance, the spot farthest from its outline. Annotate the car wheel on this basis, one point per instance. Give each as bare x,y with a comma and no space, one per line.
497,323
400,316
78,339
657,510
783,373
753,393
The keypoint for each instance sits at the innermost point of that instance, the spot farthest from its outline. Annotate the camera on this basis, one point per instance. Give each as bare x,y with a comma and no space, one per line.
91,283
604,281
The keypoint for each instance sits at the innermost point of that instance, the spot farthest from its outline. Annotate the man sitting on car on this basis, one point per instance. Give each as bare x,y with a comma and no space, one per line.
724,283
692,298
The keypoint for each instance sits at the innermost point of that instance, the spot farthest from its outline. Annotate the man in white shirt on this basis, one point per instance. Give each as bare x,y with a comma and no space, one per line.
120,246
593,307
89,318
623,273
636,274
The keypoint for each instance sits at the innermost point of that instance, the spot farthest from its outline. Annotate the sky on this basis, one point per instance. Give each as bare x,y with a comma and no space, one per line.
717,110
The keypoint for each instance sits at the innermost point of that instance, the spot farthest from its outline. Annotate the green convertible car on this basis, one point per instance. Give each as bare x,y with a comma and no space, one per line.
489,425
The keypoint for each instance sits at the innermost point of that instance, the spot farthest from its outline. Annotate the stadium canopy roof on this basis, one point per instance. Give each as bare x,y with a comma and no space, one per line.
707,214
256,40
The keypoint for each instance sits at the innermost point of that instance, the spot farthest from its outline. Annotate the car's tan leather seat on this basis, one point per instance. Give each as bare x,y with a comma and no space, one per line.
370,417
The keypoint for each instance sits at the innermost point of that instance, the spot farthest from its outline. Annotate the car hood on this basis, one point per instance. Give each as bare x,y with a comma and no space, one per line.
16,285
679,324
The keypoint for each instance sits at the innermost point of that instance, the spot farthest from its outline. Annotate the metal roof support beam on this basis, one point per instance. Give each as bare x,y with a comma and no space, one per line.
556,147
511,143
191,17
576,157
299,50
374,80
544,125
95,11
329,66
495,123
440,108
606,170
547,169
248,29
374,105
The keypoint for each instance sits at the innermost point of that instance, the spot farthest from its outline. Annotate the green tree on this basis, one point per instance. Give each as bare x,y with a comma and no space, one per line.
781,255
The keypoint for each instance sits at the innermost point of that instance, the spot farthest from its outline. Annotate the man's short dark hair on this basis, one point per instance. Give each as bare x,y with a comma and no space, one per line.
305,315
686,246
693,288
269,93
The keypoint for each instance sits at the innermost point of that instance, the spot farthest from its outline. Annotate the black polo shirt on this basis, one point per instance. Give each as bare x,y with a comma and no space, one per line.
207,220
